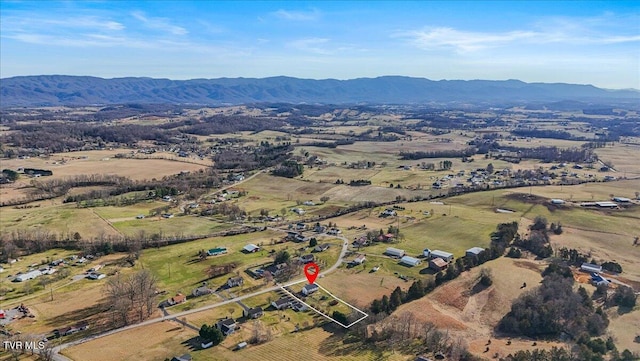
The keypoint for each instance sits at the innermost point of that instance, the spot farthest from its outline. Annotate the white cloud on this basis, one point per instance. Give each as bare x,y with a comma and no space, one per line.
312,45
297,15
162,24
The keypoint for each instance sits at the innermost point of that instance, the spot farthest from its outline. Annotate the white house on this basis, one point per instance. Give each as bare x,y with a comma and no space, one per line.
394,252
309,289
410,261
446,256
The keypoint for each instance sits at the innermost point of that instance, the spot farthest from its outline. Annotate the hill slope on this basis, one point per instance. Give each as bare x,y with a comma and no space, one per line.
85,90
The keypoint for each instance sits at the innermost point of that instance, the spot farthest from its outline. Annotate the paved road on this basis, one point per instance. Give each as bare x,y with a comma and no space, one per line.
169,317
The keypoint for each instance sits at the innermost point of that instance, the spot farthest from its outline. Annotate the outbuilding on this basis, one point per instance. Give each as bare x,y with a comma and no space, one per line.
437,264
250,248
446,256
557,201
27,276
591,268
474,251
426,253
409,261
394,252
621,199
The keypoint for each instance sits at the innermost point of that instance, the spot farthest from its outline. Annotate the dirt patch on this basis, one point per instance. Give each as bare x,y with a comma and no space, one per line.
527,265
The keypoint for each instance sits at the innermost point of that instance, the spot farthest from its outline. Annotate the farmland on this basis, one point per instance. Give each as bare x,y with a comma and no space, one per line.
392,179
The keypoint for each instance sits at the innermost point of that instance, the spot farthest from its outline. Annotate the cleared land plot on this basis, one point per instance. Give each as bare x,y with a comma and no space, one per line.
178,225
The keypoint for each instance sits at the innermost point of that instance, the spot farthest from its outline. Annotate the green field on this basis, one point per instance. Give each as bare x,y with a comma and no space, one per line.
178,225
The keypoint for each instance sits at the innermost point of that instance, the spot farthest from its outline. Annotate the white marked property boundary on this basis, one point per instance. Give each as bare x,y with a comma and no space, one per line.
325,315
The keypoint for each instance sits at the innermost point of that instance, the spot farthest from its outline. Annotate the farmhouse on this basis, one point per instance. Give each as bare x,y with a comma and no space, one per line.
309,289
227,326
359,259
321,247
235,281
590,268
306,258
177,299
253,312
394,252
437,264
446,256
361,241
474,251
281,303
201,291
217,251
27,276
298,306
250,248
409,261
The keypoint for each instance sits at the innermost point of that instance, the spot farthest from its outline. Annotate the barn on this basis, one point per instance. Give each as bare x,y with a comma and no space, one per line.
394,252
409,261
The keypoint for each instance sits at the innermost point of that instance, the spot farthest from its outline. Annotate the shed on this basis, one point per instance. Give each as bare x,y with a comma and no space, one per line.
250,248
437,264
394,252
426,252
591,268
621,199
446,256
474,251
410,261
607,204
557,201
27,276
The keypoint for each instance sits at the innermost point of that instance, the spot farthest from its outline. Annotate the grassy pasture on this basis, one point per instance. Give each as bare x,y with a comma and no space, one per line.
180,224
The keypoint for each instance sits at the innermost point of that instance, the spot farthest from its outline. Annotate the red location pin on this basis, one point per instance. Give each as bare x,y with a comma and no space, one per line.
311,270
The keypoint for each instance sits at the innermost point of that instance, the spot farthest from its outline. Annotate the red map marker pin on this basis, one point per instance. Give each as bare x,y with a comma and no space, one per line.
311,270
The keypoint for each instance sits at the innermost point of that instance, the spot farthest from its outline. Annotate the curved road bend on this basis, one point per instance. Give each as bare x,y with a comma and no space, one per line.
56,350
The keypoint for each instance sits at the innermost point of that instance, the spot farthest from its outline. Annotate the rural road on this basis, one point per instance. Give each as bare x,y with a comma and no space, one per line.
56,350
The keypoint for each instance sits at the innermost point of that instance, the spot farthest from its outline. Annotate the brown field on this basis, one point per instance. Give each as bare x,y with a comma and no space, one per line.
363,287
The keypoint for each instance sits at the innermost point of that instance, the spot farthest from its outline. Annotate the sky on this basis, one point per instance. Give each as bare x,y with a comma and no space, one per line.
579,42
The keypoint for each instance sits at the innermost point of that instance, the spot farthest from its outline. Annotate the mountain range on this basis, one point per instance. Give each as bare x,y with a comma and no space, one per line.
48,90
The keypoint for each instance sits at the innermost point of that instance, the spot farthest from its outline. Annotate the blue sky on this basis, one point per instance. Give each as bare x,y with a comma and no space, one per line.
574,42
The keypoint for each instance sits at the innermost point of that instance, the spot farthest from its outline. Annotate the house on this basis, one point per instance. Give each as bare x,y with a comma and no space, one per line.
446,256
426,253
300,226
27,276
299,306
217,251
185,357
590,268
474,251
95,268
96,276
300,238
227,326
166,198
359,259
388,237
235,281
298,211
598,280
241,345
201,291
281,303
388,213
321,247
309,203
253,312
80,326
250,248
167,215
309,289
140,216
437,264
409,261
276,269
361,242
320,229
394,252
306,258
177,299
334,231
